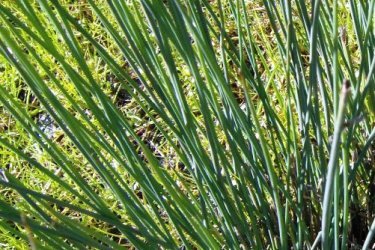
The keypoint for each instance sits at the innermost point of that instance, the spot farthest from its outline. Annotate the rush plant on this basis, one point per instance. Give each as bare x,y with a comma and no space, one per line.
190,124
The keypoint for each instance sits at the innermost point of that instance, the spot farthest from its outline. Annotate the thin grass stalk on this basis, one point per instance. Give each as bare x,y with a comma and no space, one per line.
346,194
332,166
369,237
336,208
336,94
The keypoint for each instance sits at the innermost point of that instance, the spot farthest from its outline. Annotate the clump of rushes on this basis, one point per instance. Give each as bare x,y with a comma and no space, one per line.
232,131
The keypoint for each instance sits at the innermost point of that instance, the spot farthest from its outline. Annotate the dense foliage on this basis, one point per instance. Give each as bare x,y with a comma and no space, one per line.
190,124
